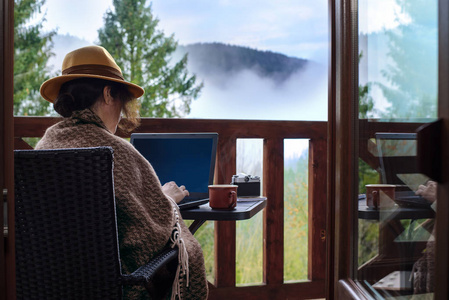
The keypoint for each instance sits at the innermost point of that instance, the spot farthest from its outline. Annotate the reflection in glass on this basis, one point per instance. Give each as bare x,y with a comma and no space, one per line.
397,93
398,59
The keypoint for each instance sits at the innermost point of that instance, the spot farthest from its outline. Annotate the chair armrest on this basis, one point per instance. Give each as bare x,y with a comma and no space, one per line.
145,273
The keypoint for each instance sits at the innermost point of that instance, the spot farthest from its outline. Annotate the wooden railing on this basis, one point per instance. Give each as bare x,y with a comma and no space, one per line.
273,133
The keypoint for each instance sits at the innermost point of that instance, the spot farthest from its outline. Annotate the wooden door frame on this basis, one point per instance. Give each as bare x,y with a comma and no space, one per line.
343,154
7,256
2,134
442,231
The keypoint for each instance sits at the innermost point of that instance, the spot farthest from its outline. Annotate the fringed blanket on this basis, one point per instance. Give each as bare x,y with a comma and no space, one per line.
147,220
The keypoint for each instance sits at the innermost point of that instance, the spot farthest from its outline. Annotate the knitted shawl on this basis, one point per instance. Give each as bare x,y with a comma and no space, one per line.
147,219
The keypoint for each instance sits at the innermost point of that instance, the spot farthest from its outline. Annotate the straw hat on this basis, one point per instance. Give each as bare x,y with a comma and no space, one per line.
87,62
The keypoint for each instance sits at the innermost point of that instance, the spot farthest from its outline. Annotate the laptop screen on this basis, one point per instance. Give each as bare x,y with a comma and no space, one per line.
185,158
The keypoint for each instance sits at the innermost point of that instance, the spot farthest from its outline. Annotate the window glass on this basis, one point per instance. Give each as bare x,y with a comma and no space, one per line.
398,43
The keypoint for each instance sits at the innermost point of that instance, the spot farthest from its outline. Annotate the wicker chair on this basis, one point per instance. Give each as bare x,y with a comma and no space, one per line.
66,231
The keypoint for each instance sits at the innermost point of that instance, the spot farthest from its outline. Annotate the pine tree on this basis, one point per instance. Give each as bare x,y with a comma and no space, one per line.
413,71
366,102
32,49
143,52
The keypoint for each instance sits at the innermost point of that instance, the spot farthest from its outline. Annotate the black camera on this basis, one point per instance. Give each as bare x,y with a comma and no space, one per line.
248,186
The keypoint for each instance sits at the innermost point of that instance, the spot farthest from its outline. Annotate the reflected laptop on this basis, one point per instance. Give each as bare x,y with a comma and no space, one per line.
185,158
398,166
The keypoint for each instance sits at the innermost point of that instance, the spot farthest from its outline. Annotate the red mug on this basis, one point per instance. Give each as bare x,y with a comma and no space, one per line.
380,195
223,196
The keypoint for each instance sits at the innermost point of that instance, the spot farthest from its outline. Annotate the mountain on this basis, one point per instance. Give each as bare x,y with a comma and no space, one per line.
261,84
244,83
209,59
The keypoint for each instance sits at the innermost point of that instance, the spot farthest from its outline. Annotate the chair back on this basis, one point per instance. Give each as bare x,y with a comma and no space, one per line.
66,230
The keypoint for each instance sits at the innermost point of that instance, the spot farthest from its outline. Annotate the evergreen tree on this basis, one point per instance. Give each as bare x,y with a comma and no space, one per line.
366,102
413,73
144,53
31,53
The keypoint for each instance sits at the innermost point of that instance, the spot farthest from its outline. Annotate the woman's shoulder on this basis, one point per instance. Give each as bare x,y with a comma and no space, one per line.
125,150
69,134
56,136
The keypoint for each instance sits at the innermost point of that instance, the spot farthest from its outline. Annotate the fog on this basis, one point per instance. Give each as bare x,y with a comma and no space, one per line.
246,95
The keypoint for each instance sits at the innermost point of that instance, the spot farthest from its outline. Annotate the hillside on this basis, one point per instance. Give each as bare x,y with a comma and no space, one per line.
211,60
262,84
208,59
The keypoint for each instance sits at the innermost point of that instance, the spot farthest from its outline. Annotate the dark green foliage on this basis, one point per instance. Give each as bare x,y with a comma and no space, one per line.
368,240
367,175
144,53
31,53
366,103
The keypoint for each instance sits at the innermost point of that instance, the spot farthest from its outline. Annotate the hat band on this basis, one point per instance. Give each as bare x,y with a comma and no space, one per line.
99,70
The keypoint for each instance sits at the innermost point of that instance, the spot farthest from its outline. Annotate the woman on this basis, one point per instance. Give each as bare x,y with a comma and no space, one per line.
91,95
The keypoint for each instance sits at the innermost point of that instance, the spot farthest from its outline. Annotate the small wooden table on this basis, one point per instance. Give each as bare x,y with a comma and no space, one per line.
396,212
244,210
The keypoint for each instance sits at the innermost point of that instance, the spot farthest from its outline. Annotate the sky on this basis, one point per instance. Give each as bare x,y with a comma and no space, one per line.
292,27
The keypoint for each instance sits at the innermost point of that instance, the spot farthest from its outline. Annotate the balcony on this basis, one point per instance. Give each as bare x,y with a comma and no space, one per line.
273,134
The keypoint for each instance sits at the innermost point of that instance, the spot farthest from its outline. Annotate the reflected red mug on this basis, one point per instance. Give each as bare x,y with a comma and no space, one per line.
223,196
380,195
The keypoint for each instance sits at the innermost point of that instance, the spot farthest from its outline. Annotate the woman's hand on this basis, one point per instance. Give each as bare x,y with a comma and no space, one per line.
172,190
428,191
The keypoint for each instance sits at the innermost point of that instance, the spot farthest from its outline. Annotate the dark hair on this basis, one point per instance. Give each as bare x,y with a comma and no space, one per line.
82,93
79,94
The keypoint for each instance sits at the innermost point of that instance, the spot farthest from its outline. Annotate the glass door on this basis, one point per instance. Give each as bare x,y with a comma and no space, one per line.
397,96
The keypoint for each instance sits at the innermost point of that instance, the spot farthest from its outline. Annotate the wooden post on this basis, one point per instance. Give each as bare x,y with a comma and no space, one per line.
317,209
225,230
273,227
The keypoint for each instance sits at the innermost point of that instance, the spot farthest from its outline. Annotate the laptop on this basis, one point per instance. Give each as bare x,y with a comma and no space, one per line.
398,166
185,158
